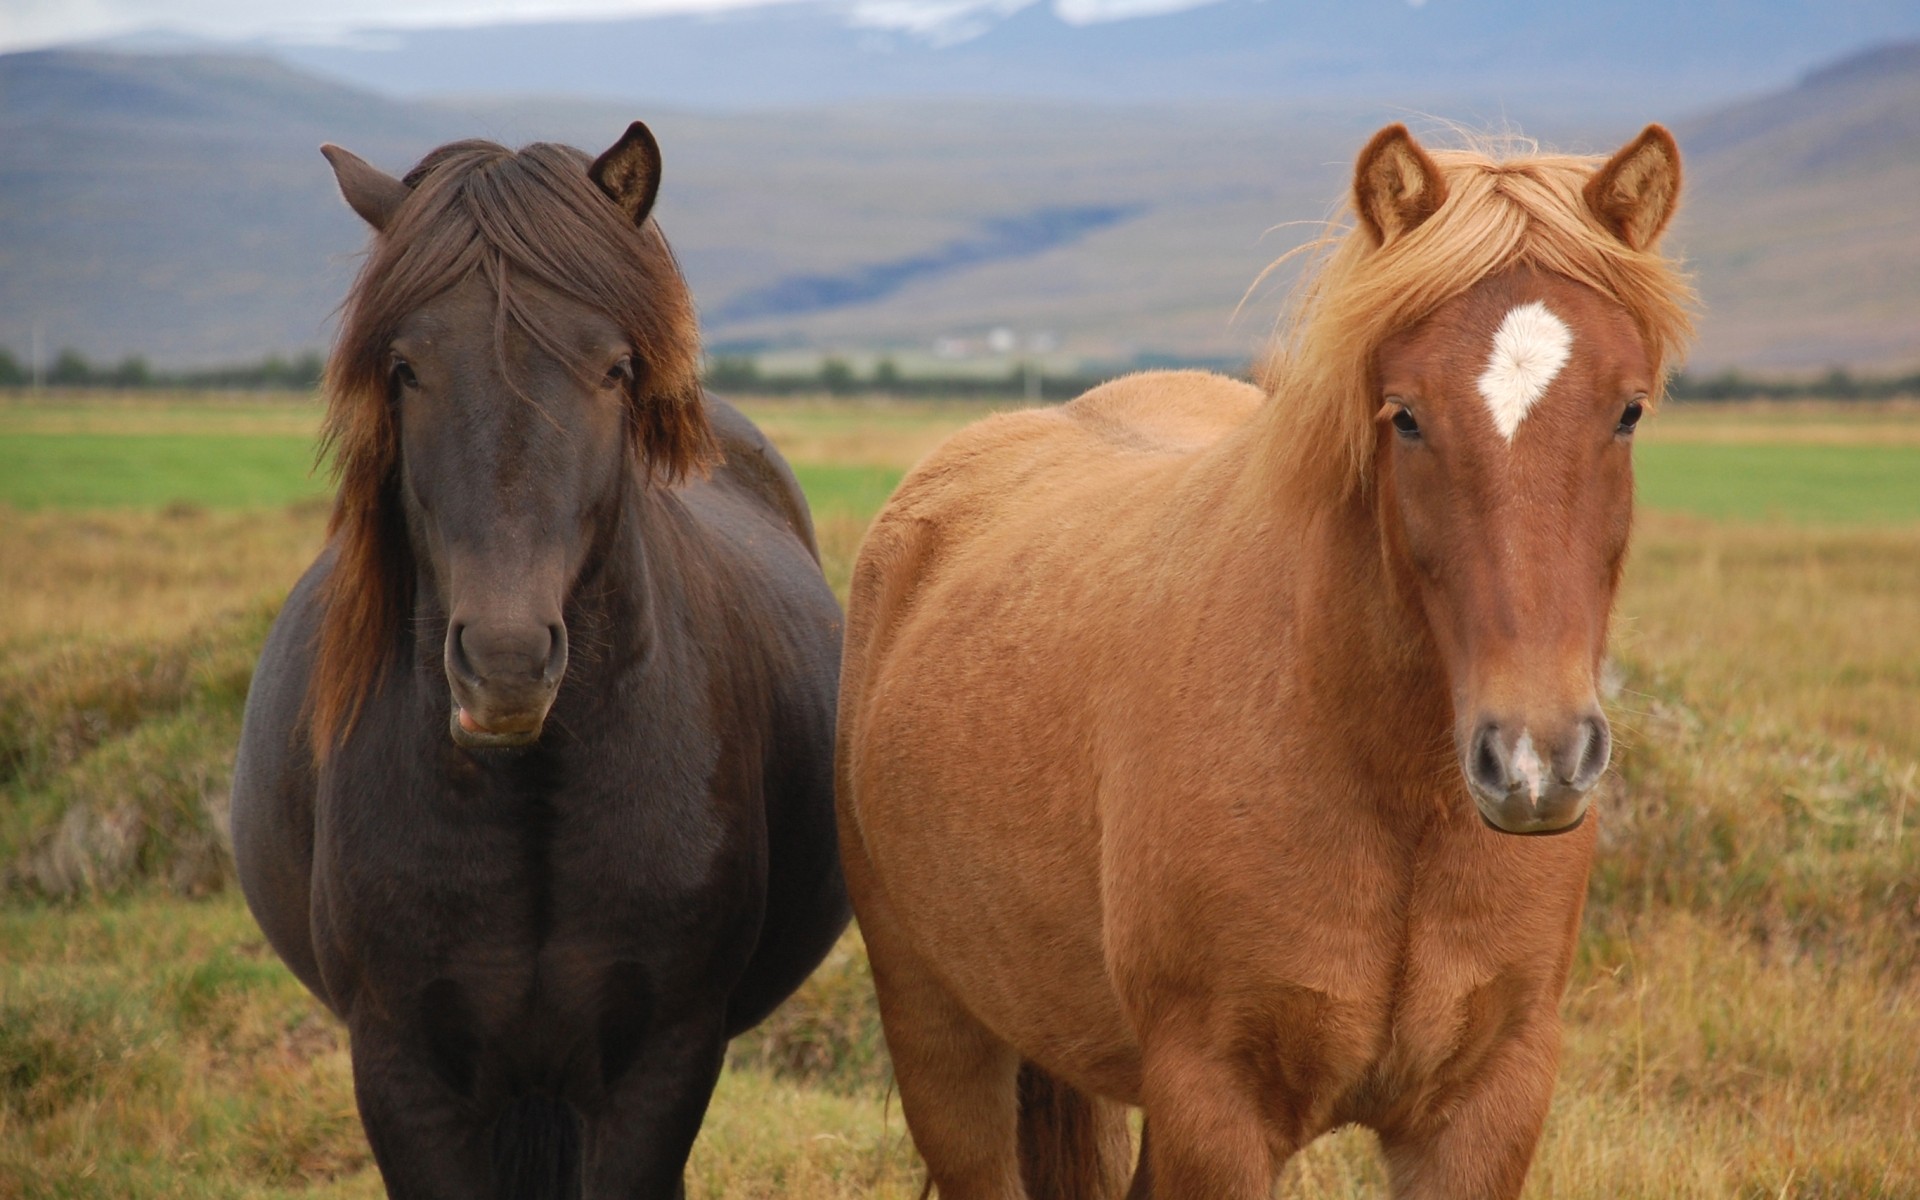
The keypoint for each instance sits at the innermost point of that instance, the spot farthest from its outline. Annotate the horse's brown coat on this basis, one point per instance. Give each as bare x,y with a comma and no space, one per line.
1149,770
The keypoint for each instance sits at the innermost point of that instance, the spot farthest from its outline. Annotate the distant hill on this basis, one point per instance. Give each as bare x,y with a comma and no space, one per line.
175,206
1468,57
1804,218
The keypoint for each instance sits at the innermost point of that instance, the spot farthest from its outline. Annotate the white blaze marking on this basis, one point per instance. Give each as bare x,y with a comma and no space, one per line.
1529,349
1528,766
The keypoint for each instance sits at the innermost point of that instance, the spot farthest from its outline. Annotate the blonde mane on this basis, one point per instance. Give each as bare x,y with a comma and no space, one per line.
1499,213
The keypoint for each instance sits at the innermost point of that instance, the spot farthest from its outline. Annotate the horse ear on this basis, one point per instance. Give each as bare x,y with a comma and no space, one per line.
1636,193
1396,185
368,190
629,172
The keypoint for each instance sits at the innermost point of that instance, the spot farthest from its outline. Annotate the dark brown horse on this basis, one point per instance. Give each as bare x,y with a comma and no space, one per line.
1191,732
535,784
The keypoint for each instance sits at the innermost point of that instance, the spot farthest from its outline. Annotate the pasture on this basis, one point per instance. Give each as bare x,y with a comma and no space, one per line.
1744,1017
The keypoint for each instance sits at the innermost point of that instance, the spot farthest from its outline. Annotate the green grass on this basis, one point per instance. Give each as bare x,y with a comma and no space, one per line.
1822,483
148,470
846,489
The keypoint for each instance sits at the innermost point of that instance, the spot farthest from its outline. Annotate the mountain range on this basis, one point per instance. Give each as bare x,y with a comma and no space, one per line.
1465,56
173,205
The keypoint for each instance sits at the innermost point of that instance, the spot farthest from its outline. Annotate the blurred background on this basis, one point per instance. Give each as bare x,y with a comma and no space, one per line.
899,215
943,183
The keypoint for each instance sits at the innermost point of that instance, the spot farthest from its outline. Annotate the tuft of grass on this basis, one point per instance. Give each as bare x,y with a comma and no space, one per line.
154,1047
766,1136
828,1035
115,759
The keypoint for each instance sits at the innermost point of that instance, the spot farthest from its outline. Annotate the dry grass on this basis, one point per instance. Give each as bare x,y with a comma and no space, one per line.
1744,1019
84,410
142,575
1786,631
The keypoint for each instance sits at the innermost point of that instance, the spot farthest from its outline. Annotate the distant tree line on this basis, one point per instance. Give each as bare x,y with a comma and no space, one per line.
741,373
836,376
71,369
1837,384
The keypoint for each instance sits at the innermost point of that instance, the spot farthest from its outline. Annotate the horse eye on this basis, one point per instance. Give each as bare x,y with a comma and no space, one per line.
1404,424
404,373
620,374
1630,417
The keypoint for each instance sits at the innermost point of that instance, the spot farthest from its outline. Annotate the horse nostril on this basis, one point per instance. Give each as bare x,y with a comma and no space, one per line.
1596,749
556,654
457,655
1489,765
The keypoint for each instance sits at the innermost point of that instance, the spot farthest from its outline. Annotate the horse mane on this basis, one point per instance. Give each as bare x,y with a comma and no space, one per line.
1500,212
509,216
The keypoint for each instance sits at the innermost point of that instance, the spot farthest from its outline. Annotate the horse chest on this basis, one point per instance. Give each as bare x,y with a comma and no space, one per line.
503,890
1383,989
1486,941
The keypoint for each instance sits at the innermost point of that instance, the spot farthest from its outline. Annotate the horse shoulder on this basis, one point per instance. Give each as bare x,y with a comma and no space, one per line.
946,499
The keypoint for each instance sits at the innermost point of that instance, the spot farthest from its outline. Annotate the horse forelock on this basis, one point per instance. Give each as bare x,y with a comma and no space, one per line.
512,217
1500,212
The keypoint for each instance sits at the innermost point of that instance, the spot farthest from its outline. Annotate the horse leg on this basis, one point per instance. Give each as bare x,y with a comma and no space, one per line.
637,1140
959,1084
430,1140
1481,1143
1210,1135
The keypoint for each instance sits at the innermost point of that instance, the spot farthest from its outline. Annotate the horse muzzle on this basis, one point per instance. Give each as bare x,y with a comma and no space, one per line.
1529,783
504,679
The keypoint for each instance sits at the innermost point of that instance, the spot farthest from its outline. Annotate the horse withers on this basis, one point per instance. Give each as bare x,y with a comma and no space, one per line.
1192,734
534,789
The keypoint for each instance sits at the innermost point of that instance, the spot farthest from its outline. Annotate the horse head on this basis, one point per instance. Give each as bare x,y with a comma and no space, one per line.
518,353
1503,463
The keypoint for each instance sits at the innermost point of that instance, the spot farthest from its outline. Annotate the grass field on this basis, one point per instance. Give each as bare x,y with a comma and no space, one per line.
1744,1019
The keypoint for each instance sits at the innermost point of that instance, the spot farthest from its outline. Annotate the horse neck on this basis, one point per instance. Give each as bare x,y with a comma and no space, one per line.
619,595
1308,558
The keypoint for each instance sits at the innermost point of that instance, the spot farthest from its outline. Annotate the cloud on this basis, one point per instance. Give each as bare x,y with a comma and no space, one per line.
35,23
1092,12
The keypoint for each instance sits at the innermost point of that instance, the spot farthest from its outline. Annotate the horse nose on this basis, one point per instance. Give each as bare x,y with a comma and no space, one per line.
1524,782
503,677
499,655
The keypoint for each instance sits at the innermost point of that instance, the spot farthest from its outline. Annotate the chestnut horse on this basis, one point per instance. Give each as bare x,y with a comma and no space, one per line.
535,786
1186,730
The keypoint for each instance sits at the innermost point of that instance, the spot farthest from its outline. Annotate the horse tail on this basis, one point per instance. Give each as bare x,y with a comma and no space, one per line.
536,1151
1072,1146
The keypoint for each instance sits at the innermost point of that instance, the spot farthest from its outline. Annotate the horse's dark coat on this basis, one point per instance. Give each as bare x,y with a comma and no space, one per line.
540,952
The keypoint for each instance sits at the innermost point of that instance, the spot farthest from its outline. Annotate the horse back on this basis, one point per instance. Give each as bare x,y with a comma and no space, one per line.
753,468
1009,483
